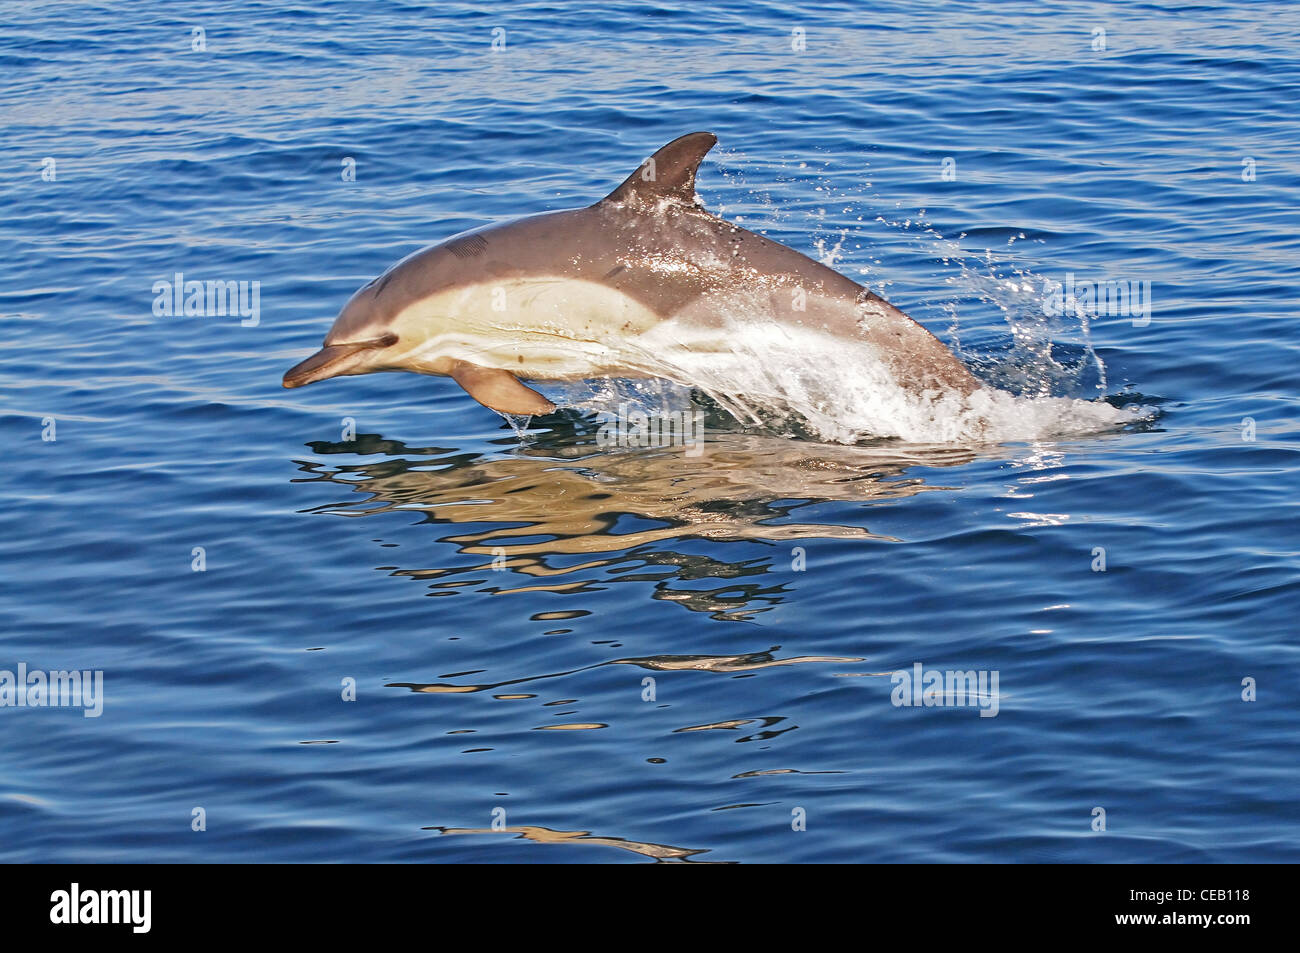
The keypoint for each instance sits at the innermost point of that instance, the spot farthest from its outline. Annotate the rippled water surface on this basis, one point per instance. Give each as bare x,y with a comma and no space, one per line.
625,654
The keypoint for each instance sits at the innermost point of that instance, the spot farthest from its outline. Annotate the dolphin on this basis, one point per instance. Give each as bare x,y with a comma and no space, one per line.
644,283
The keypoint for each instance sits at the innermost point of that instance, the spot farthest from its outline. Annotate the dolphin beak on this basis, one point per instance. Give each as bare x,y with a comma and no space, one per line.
330,361
326,362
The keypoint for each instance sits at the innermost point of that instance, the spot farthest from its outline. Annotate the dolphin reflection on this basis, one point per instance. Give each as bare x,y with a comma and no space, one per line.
661,853
724,664
534,507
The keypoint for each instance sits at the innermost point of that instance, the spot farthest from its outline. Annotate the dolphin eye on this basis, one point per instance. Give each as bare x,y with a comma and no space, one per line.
371,344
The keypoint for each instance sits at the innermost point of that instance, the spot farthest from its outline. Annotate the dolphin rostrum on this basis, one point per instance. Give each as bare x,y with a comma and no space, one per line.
645,283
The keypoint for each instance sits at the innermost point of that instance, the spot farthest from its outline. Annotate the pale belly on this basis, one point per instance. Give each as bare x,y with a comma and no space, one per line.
544,329
561,329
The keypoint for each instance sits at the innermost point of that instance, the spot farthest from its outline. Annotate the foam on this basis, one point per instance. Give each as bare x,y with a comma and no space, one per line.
780,377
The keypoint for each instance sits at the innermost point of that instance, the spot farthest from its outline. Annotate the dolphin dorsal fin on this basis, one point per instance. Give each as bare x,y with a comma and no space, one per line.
669,173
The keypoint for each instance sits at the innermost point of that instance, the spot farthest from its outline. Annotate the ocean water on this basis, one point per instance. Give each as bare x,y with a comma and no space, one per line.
371,620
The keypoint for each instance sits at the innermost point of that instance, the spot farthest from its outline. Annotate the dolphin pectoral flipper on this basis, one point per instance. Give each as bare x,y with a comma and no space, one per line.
499,390
669,173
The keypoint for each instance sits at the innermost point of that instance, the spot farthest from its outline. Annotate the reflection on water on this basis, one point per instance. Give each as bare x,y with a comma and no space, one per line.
660,663
544,835
541,505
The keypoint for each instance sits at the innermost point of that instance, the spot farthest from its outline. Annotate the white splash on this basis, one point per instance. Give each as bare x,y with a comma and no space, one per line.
801,381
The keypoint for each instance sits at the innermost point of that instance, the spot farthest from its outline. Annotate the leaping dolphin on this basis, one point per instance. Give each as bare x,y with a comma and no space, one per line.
645,283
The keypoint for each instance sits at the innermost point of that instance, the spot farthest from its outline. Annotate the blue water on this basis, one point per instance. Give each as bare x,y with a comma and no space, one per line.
481,587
